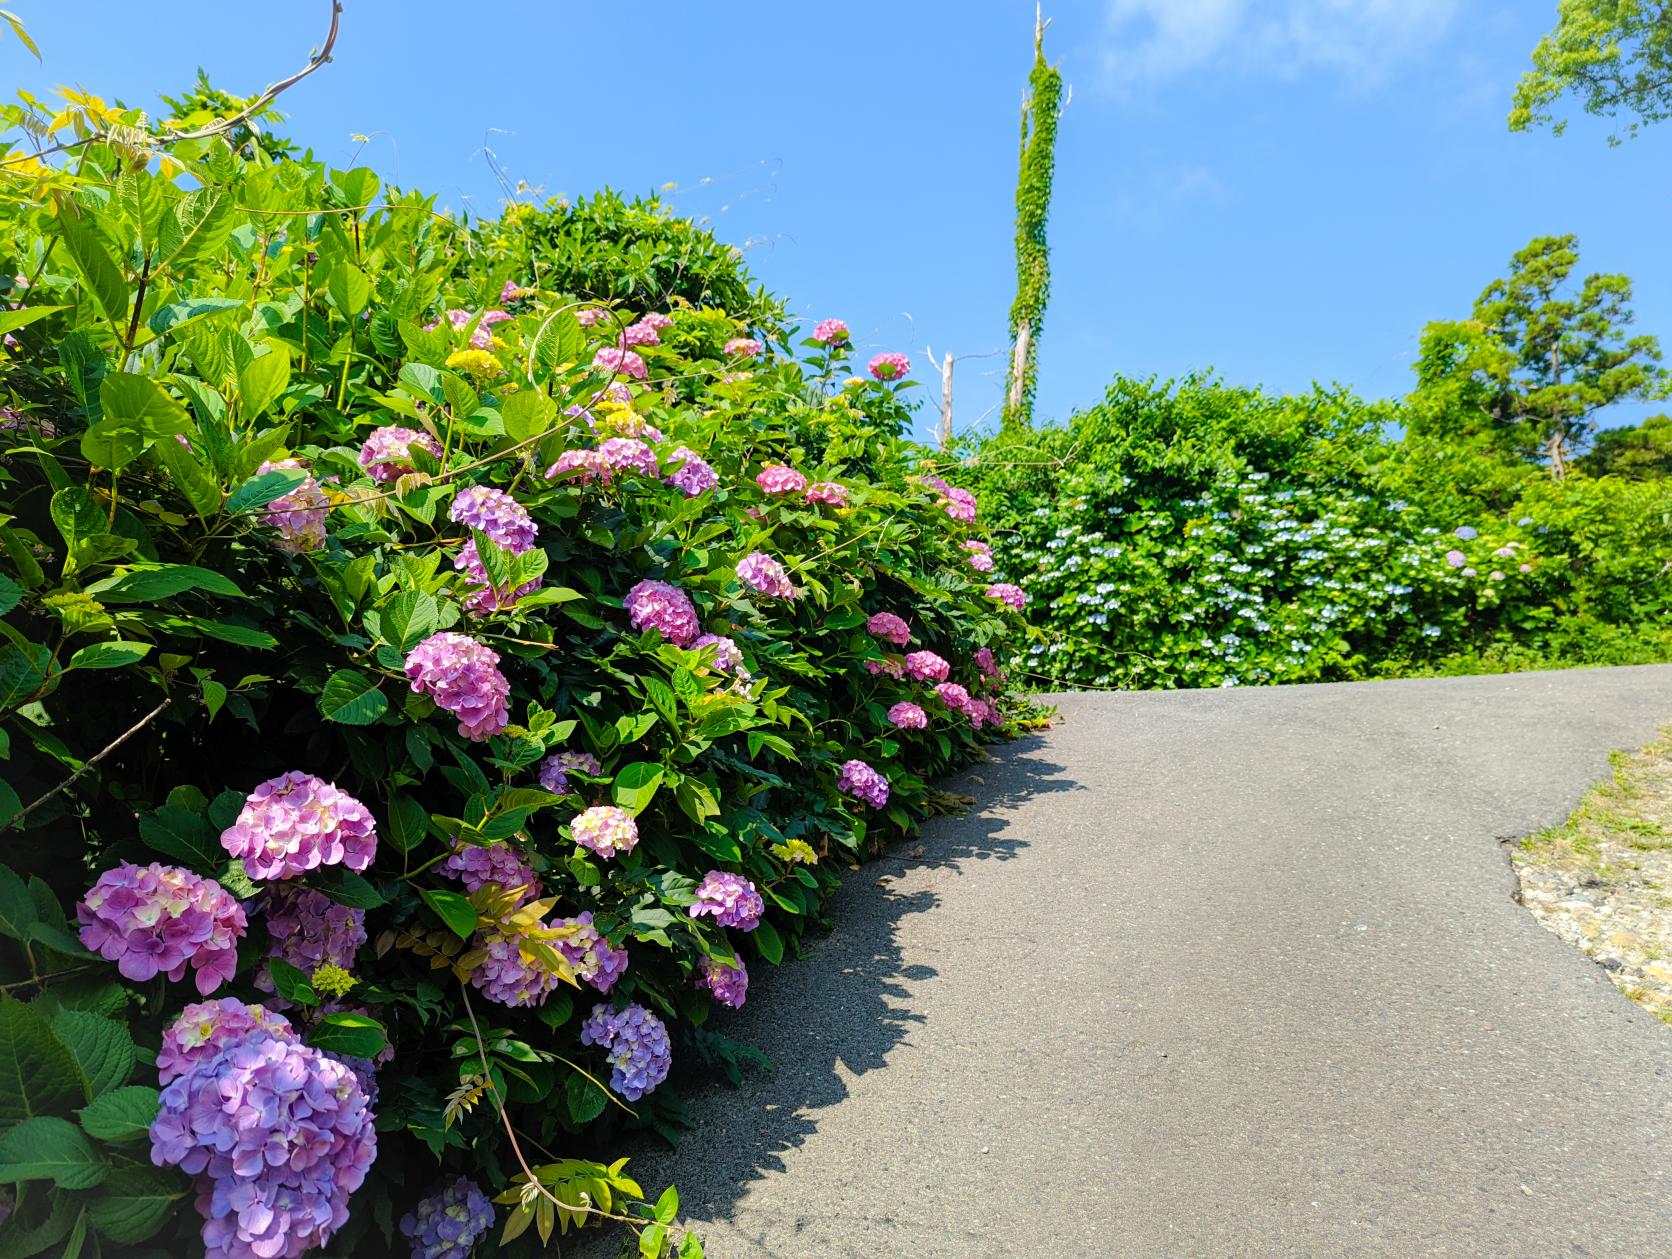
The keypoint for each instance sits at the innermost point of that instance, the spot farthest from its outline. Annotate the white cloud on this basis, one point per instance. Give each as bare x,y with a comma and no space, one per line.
1152,40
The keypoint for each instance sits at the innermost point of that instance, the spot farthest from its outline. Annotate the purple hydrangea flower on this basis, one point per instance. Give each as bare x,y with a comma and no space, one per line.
508,525
982,713
606,830
447,1224
158,920
693,476
743,347
629,454
1006,593
730,898
554,770
728,984
829,493
926,666
594,959
891,366
660,605
727,657
297,822
889,628
206,1028
387,454
309,930
463,678
299,515
762,573
477,864
984,662
1466,533
893,666
831,332
636,1043
908,716
591,465
278,1135
862,782
619,362
506,976
1456,559
778,478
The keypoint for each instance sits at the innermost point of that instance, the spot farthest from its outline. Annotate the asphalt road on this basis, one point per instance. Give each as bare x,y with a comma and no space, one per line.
1214,974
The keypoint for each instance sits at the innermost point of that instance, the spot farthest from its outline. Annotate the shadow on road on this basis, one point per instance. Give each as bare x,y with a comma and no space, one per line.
843,1007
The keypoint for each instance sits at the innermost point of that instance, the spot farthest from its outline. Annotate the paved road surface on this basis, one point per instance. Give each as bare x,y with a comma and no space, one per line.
1214,974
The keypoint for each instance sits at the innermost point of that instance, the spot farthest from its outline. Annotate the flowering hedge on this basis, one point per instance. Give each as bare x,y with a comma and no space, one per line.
425,694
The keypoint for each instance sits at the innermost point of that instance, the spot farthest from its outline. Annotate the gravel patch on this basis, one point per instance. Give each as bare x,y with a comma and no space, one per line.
1603,879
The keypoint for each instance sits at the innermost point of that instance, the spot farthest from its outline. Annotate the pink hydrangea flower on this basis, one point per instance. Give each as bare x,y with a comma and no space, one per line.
959,504
981,556
730,899
299,515
508,524
1006,593
762,573
982,713
629,454
727,657
620,362
158,920
908,716
587,316
387,454
207,1028
743,347
606,830
555,770
481,338
862,782
926,666
952,695
507,977
829,493
591,465
656,319
890,366
640,333
693,476
463,677
729,984
889,628
777,478
892,666
984,662
476,865
297,822
661,605
831,332
308,929
594,959
512,292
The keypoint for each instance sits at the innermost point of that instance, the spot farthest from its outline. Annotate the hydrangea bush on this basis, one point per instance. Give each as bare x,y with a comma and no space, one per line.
438,664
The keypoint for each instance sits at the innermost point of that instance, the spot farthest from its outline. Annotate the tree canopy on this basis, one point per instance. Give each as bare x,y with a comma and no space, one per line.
1615,55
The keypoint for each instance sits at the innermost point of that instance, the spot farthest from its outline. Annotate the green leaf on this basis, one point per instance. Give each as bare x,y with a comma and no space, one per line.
229,632
770,944
184,834
408,822
262,380
97,265
111,655
264,487
23,672
346,887
197,225
635,785
135,1202
349,1034
76,516
662,699
454,910
650,1241
10,594
348,288
409,618
352,698
291,982
136,412
585,1100
178,314
560,340
153,582
40,1223
525,413
12,320
667,1206
102,1048
121,1115
17,907
37,1073
191,477
49,1148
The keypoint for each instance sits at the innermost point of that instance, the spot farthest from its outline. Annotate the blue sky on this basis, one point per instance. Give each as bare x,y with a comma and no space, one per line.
1283,190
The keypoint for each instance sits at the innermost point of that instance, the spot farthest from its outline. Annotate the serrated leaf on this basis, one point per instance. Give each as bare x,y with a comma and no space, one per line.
49,1148
348,288
113,655
635,785
10,594
197,224
135,1202
454,910
148,584
121,1115
262,380
408,822
17,907
560,340
191,477
291,982
352,1035
346,887
585,1100
12,320
264,487
76,516
92,258
103,1049
178,314
352,698
37,1073
184,834
409,618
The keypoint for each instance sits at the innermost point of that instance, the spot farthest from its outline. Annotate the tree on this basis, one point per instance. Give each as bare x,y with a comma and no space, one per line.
1040,111
1537,360
1614,54
1639,453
